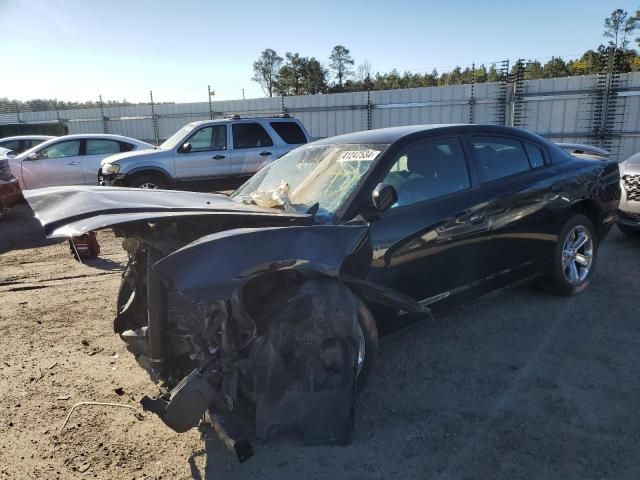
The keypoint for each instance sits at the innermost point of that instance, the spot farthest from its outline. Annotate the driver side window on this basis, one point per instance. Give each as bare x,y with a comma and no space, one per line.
70,148
209,139
427,170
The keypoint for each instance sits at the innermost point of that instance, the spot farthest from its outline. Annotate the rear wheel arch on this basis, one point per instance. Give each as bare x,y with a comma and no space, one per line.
589,208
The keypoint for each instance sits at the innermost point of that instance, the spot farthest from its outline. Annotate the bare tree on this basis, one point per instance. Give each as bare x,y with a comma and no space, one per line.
363,71
618,26
265,70
341,63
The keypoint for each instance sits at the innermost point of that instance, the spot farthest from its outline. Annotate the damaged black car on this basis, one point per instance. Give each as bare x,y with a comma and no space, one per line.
260,312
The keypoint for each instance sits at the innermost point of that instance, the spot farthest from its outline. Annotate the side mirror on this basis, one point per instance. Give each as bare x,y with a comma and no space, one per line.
33,156
185,148
384,196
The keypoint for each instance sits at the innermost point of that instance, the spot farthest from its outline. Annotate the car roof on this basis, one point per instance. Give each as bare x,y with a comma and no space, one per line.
242,119
392,134
85,135
96,135
27,137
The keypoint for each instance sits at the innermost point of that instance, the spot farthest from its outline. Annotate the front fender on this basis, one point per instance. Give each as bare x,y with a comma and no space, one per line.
214,266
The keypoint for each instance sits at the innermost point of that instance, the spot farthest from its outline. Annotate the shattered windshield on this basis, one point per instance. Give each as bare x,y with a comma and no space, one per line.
322,175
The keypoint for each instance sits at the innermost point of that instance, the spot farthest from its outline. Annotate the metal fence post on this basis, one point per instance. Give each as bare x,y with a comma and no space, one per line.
502,99
472,98
104,119
17,111
608,113
517,112
154,119
210,104
283,108
368,109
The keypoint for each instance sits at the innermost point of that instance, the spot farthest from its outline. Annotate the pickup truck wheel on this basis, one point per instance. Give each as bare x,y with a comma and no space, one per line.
150,181
575,256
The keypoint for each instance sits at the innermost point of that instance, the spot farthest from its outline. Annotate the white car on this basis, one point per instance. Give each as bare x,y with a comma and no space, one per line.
69,160
22,143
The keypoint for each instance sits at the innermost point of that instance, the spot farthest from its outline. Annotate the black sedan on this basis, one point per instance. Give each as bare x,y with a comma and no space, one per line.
270,301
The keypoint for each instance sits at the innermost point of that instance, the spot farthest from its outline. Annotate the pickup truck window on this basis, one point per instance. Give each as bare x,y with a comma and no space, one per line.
250,135
290,132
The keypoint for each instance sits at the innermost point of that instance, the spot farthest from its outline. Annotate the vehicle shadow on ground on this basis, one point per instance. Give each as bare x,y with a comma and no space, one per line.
20,229
103,264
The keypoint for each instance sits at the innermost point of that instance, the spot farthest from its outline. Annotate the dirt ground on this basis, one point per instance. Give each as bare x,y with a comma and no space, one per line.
524,386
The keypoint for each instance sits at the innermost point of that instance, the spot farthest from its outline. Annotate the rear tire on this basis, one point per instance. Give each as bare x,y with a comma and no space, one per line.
629,230
575,256
150,181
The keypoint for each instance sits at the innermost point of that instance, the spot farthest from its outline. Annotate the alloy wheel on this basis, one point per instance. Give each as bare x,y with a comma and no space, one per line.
577,254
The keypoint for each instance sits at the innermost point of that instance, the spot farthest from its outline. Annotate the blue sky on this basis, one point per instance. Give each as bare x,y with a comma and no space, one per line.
75,49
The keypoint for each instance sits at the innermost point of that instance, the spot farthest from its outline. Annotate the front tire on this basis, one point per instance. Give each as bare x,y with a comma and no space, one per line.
575,256
148,181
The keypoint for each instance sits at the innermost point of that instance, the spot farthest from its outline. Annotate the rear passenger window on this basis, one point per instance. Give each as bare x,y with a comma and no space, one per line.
290,132
536,158
102,147
499,157
125,147
427,170
250,135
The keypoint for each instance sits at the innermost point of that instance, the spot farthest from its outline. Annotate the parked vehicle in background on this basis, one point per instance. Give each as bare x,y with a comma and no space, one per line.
70,159
22,143
275,295
10,192
629,210
582,150
207,155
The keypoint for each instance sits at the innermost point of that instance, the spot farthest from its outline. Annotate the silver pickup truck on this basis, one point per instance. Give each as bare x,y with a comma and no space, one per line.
207,155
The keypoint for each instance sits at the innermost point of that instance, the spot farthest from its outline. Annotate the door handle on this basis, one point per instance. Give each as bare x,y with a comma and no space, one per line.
477,218
73,163
218,157
265,153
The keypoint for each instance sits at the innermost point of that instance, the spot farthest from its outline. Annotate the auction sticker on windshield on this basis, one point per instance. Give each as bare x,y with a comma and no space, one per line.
357,155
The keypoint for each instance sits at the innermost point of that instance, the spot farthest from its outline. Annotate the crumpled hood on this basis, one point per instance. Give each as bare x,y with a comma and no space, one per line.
134,153
69,211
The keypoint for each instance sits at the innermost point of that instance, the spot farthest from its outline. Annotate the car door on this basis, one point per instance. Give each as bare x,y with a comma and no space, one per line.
93,151
206,155
56,164
253,148
431,244
523,206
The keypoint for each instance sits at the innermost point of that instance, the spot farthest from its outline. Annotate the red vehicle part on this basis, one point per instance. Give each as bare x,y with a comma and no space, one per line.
85,246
